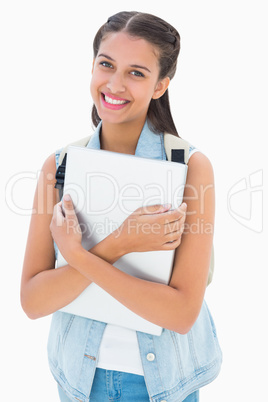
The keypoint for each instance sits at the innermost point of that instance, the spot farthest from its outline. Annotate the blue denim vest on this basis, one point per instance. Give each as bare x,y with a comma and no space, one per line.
174,365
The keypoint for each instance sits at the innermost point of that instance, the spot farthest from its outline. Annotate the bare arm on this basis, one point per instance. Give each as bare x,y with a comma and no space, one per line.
43,288
176,306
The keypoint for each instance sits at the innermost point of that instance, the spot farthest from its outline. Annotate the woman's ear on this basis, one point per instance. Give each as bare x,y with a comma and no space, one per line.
161,88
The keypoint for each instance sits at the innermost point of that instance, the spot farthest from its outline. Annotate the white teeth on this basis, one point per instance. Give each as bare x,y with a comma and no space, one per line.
114,101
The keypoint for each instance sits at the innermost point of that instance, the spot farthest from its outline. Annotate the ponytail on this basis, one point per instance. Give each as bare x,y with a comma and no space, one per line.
160,117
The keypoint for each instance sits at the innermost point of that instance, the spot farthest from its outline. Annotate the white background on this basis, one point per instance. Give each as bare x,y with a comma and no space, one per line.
219,102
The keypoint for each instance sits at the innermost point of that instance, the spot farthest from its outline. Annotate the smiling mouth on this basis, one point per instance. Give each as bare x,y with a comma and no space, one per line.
112,101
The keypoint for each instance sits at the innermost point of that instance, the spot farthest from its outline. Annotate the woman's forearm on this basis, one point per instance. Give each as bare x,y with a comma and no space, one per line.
161,304
52,289
158,303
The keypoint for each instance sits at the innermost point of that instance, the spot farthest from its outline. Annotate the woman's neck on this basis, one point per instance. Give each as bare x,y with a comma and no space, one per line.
121,138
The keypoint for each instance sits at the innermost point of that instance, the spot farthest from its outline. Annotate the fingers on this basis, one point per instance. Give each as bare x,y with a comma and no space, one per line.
68,207
58,216
171,245
177,213
153,209
174,231
164,215
172,236
183,207
176,226
67,202
163,209
64,211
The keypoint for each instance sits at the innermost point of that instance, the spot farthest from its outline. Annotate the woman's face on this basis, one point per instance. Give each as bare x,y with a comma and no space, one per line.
125,78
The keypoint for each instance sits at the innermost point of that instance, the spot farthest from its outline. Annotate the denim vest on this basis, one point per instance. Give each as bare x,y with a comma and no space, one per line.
174,365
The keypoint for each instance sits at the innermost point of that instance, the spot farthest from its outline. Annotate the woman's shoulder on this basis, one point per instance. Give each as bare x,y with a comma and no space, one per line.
47,173
52,161
49,164
199,166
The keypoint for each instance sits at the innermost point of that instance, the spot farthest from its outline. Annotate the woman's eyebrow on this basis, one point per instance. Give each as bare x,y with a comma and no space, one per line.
132,65
142,67
106,56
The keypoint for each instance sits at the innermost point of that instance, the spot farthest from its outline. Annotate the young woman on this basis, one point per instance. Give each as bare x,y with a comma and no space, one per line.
135,57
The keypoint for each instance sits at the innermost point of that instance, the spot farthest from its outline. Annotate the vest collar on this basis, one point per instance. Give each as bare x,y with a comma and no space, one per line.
150,145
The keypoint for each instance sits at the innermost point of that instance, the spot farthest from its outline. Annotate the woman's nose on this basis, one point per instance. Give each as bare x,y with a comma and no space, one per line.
116,83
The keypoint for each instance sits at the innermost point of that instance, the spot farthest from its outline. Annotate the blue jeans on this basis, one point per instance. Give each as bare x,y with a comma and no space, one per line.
117,386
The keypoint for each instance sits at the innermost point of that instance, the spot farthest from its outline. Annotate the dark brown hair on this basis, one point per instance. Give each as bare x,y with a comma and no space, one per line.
167,41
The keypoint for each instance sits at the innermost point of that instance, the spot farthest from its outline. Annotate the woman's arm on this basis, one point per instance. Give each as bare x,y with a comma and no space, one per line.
176,306
43,288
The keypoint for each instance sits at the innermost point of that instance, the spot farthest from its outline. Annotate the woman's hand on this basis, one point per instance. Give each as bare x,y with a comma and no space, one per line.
152,228
65,228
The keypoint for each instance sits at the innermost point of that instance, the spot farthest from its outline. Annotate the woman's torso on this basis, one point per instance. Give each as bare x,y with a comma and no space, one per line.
174,365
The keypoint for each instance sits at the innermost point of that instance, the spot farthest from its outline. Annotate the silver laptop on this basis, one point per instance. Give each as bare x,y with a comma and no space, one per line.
106,187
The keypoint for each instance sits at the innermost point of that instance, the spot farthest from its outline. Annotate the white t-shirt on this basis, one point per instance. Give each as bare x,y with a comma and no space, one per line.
119,350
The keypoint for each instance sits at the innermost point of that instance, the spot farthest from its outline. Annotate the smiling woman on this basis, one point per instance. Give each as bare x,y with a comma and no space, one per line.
135,57
125,81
